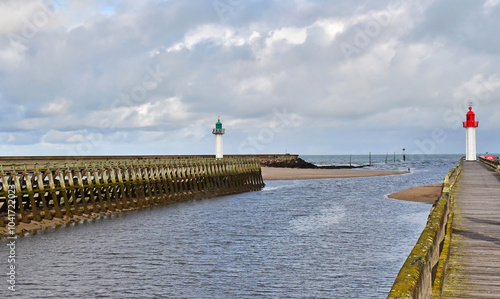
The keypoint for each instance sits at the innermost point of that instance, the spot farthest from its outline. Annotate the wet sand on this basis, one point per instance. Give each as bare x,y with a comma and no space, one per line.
426,194
273,173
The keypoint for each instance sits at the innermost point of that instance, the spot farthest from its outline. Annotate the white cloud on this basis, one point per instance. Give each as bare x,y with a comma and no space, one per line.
12,56
211,33
489,5
332,28
16,15
56,107
292,35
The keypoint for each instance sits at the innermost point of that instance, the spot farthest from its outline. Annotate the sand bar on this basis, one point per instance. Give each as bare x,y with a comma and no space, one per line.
274,173
427,193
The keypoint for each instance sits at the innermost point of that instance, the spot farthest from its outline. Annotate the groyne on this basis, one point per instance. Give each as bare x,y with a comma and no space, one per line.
36,189
422,274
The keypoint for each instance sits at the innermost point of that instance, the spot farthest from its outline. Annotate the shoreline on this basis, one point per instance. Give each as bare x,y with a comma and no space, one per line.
274,173
425,194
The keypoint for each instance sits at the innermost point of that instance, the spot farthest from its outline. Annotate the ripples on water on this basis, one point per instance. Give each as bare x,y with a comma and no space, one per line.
334,238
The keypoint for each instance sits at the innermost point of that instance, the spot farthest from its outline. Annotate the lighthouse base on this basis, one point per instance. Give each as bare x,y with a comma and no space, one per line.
218,146
470,154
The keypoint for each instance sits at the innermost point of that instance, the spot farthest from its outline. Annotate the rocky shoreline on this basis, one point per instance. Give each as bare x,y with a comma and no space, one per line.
300,163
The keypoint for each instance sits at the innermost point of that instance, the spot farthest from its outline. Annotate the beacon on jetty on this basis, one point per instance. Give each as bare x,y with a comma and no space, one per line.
218,132
470,126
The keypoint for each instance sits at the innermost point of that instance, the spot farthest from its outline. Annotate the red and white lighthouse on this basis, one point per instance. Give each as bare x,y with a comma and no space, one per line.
470,126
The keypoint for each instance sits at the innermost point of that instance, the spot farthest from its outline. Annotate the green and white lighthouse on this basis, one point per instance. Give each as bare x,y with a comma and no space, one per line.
218,132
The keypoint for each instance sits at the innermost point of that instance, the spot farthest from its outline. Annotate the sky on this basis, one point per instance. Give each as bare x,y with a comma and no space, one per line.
300,76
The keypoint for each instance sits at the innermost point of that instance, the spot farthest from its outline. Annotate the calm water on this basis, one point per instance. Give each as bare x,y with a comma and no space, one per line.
329,238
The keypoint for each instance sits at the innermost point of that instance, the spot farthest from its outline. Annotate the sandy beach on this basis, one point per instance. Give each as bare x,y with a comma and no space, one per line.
273,173
426,194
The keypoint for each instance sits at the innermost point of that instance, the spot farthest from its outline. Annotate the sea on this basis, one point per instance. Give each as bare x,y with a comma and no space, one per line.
322,238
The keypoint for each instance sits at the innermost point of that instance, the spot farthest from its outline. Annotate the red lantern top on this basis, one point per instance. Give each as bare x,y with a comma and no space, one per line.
471,120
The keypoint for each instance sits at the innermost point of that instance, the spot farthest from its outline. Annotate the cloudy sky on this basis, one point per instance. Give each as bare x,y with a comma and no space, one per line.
304,76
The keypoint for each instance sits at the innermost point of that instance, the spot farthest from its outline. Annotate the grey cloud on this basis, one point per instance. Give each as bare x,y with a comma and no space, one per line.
84,68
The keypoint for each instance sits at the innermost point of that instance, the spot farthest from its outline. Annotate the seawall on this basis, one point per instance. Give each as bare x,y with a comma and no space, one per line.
38,189
421,276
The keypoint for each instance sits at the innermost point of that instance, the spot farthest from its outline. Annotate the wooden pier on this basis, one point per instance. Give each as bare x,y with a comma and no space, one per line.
36,189
458,252
473,269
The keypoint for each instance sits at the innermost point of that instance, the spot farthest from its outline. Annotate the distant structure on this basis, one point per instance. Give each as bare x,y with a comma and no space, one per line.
470,126
218,132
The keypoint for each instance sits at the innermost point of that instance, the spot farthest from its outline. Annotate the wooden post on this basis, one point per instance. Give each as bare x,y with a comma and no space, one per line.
147,185
129,186
137,181
204,177
81,188
171,185
97,186
72,192
90,188
171,171
62,191
114,186
19,195
159,184
105,184
47,214
123,187
55,199
29,188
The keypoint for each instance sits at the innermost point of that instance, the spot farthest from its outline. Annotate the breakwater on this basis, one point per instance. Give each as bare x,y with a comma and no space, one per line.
39,189
422,274
50,159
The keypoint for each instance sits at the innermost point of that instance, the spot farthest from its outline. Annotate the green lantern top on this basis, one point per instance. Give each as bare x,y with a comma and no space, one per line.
218,124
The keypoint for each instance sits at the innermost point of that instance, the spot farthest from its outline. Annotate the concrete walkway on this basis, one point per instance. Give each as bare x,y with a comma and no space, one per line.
474,265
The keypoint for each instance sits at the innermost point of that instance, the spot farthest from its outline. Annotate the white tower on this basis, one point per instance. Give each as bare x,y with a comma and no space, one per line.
218,132
470,126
